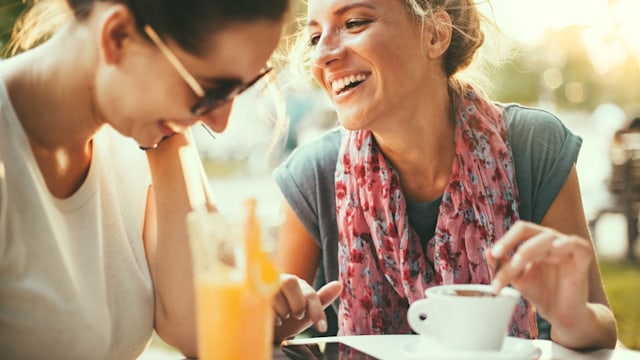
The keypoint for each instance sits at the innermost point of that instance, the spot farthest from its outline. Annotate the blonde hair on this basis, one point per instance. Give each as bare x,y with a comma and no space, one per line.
38,24
477,45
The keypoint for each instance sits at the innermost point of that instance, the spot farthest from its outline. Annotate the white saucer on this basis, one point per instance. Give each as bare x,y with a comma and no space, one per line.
512,349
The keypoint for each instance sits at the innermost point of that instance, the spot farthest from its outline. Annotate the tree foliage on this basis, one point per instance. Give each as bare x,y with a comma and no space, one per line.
565,51
9,12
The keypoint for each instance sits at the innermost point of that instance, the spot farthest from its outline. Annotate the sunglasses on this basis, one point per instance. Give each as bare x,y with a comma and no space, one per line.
210,99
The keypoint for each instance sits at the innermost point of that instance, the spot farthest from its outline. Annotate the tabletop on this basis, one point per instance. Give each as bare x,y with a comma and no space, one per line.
399,347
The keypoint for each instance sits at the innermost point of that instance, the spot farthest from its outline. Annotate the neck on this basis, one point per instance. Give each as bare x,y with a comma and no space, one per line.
423,148
51,91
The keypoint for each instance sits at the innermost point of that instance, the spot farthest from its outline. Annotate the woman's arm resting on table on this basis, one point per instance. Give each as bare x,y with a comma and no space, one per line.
559,273
297,305
167,246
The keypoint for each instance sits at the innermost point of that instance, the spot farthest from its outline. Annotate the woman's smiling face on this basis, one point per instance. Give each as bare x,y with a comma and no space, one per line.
145,97
369,56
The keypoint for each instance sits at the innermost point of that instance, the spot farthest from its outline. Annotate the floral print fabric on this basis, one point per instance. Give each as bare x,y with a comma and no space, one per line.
382,264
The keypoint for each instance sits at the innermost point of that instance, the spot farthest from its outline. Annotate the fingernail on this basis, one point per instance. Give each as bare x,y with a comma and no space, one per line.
287,316
516,260
278,321
301,315
559,241
497,250
322,326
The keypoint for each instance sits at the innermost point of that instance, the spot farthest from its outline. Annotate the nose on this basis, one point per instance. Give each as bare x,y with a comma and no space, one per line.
218,119
328,49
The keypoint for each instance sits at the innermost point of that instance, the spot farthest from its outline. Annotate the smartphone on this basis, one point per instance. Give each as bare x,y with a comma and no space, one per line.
324,351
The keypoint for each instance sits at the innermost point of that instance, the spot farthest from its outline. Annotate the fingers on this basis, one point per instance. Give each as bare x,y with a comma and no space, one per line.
290,300
582,251
329,292
537,244
519,232
533,249
323,298
297,303
281,309
315,312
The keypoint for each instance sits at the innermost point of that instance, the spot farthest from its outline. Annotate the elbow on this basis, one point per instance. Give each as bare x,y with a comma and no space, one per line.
613,339
188,348
179,333
609,341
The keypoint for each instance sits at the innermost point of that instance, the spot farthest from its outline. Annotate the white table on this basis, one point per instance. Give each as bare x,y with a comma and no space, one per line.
387,347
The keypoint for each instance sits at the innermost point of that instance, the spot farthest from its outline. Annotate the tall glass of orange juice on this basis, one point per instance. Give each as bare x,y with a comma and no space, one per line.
235,282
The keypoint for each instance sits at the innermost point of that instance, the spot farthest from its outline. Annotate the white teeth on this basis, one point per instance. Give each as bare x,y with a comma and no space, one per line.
340,84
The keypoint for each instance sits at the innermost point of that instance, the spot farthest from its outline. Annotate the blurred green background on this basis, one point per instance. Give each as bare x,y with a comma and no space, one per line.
622,282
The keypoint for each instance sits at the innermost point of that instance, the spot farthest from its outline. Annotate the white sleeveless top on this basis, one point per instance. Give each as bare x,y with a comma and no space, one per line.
74,280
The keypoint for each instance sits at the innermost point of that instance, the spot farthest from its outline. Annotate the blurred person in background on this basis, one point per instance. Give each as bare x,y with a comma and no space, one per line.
94,252
623,182
430,182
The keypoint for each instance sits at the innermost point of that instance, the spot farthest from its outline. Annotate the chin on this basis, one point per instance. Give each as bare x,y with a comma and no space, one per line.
359,118
349,126
146,142
350,123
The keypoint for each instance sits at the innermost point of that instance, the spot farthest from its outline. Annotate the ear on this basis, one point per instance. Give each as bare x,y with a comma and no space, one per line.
117,30
438,34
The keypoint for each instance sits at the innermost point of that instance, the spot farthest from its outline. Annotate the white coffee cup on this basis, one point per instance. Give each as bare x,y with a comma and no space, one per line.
464,322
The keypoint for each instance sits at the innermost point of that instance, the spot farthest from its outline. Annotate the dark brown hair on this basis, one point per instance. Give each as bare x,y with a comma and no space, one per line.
187,22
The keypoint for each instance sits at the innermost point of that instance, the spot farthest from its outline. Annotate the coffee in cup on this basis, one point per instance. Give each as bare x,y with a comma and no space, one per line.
472,293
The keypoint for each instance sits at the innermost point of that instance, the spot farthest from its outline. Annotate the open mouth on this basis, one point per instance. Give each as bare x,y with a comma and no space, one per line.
346,83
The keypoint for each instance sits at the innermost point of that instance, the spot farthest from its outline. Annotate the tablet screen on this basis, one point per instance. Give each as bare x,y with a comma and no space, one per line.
325,351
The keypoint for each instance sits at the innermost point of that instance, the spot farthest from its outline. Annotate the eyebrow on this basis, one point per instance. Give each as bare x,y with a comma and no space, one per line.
344,9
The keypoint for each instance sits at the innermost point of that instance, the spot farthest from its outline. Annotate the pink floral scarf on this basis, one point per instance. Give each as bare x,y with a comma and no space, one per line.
382,264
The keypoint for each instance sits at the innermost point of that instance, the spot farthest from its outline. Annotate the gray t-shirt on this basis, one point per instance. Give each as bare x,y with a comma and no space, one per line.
544,151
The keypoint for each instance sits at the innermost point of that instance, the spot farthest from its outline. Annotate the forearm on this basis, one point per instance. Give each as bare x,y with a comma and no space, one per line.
171,266
595,329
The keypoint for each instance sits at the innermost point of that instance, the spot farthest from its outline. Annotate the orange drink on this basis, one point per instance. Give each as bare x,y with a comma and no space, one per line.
234,322
235,281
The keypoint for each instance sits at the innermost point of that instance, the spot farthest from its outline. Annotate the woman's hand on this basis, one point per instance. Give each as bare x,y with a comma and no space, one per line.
551,270
297,305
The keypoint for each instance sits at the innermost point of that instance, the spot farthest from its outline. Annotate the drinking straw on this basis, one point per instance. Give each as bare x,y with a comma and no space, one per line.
192,177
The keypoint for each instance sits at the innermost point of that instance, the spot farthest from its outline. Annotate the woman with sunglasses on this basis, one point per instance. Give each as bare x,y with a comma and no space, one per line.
93,246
